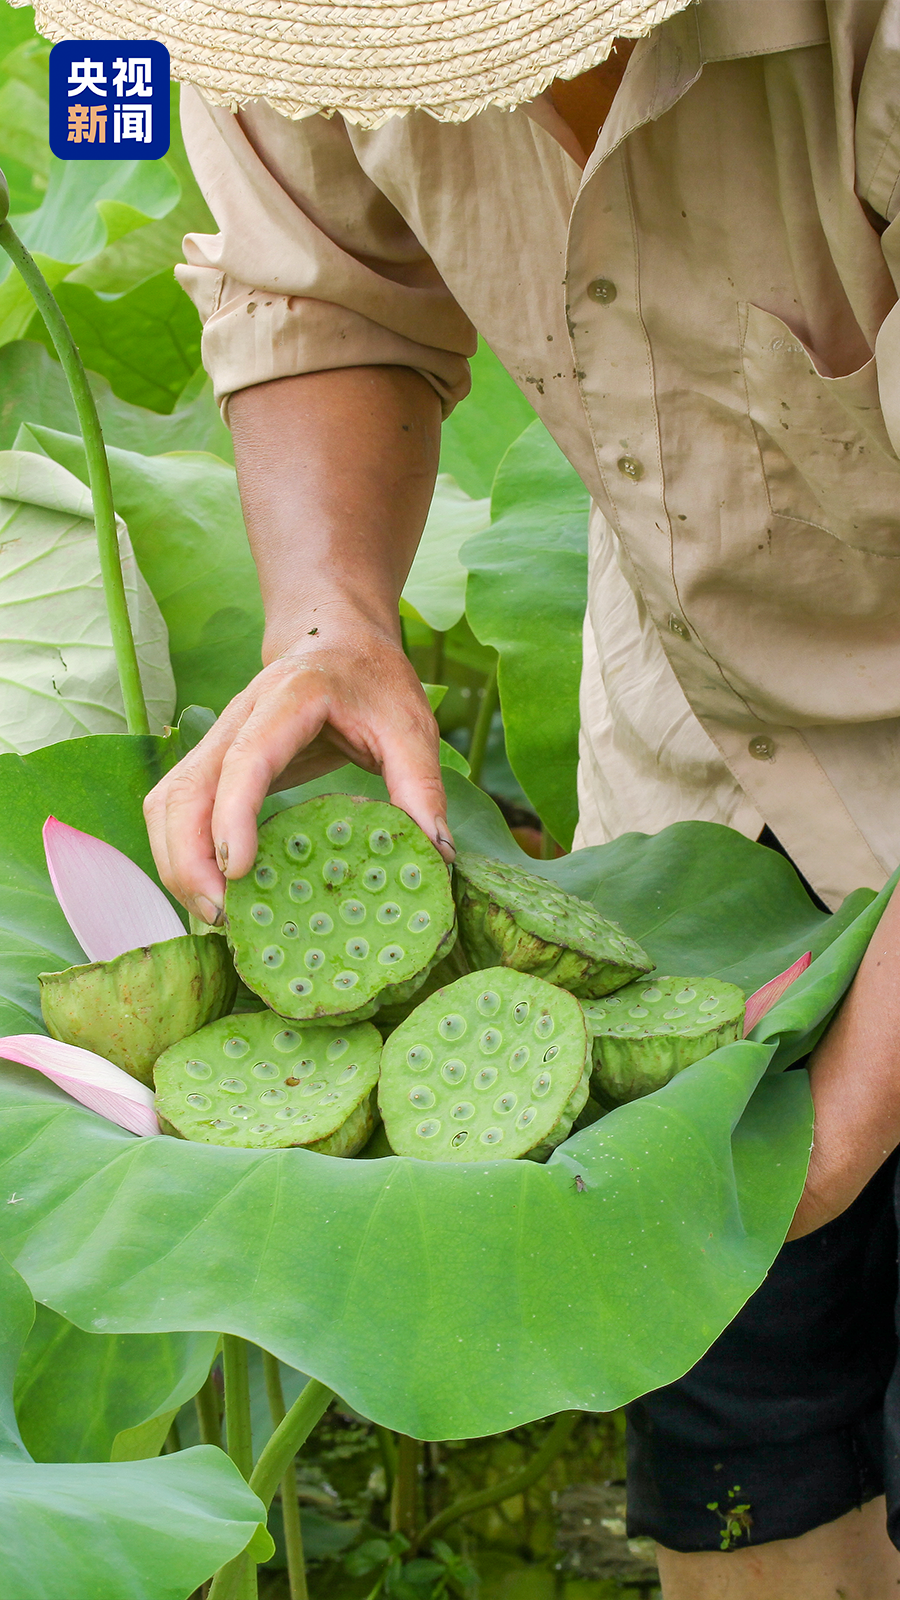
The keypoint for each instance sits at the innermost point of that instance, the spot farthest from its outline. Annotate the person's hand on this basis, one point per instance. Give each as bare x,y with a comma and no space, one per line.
854,1075
318,706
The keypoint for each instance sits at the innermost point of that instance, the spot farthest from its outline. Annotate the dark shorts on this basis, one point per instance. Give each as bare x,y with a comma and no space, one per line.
793,1417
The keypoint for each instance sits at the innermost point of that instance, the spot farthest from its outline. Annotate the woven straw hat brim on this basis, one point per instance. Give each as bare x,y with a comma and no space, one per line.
369,62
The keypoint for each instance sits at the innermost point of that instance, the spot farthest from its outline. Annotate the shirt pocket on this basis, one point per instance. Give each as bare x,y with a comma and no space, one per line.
826,455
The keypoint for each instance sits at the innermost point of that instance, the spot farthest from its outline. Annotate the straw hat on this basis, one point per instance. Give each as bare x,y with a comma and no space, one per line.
367,59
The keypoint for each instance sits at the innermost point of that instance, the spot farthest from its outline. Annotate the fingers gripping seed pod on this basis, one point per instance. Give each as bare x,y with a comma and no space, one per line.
645,1033
348,907
515,918
493,1066
262,1082
130,1009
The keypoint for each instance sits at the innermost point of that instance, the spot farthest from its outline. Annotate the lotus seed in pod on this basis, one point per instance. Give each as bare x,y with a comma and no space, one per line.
130,1009
493,1066
519,920
649,1030
347,906
261,1082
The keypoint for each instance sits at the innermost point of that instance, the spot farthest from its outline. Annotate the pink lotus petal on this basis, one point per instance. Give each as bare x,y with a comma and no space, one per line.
96,1083
764,999
108,902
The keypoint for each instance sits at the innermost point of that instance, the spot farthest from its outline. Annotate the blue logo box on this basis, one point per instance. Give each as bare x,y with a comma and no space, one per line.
109,100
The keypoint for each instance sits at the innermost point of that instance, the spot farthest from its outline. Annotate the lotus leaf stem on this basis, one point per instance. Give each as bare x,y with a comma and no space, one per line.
238,1431
311,1403
290,1506
405,1500
98,477
388,1448
482,728
209,1419
516,1483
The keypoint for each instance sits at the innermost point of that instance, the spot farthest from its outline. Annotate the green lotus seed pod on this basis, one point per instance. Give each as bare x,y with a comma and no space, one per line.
260,1082
645,1033
4,197
519,920
348,907
446,971
132,1008
493,1066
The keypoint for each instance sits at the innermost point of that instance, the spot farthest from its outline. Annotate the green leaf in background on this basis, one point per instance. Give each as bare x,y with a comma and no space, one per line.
18,1316
493,1294
57,663
184,517
477,434
16,304
76,1392
526,596
74,219
33,389
436,586
146,342
129,261
105,779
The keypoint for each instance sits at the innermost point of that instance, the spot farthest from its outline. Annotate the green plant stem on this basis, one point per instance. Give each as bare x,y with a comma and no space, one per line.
98,477
482,728
290,1506
388,1448
311,1403
209,1420
437,655
238,1432
405,1501
553,1445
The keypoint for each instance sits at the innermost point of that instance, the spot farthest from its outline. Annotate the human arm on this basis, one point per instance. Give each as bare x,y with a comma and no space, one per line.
855,1080
336,471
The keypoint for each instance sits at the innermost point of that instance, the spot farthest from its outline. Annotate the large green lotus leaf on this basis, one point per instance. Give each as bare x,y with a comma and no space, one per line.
33,390
436,586
77,1392
138,1530
480,430
56,652
493,1293
184,517
149,1530
145,342
526,596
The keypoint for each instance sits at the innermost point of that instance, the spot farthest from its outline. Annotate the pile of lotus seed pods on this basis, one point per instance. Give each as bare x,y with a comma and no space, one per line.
503,1010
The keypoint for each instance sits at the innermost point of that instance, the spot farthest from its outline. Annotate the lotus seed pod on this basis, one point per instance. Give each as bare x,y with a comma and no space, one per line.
519,920
130,1009
493,1066
446,971
348,907
645,1033
260,1082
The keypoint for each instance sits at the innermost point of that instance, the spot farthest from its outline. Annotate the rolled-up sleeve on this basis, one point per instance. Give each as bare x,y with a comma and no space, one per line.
313,268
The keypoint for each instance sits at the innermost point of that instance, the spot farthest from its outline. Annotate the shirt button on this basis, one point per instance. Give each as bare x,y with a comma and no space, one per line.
761,749
677,626
631,468
601,289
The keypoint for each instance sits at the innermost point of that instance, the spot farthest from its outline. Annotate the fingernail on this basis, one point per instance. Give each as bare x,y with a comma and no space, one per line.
222,855
442,836
210,912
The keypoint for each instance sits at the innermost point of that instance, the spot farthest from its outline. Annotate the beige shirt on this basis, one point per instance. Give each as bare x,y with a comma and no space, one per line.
706,320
